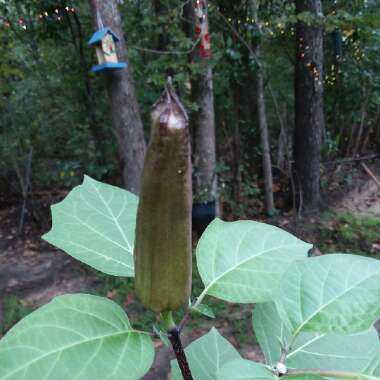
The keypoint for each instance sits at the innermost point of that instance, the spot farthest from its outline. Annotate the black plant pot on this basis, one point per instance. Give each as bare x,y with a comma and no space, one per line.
203,215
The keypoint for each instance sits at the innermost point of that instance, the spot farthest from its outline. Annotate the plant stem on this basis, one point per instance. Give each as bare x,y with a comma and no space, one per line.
175,340
200,298
174,333
167,319
323,373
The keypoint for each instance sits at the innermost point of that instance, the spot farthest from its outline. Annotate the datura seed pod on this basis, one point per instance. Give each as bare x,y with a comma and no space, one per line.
163,229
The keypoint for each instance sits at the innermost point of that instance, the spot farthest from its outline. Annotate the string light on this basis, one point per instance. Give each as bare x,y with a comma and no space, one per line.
332,75
57,15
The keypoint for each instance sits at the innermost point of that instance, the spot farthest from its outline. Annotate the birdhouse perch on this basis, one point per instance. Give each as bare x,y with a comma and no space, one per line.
104,41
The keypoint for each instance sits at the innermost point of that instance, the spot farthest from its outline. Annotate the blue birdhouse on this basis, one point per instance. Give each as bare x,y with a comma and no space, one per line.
105,41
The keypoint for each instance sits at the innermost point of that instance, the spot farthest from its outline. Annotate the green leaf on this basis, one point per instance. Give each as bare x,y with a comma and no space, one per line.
270,331
337,376
78,337
95,224
204,310
245,369
330,294
330,352
368,377
373,367
243,261
206,355
334,352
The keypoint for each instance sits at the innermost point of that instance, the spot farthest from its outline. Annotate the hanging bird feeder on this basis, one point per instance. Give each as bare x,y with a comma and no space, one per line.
105,41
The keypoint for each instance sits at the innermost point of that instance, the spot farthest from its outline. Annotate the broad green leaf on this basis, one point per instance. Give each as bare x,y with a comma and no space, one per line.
76,337
373,367
310,350
204,310
367,377
270,331
243,261
245,369
334,352
206,355
337,293
95,224
349,375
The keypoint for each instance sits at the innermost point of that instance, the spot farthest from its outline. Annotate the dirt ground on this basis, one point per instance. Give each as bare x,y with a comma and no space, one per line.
35,272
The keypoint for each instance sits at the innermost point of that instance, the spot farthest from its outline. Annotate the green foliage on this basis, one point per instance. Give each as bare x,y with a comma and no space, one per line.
43,100
312,350
360,233
96,225
78,336
204,310
314,315
14,310
231,255
323,287
206,356
244,369
45,104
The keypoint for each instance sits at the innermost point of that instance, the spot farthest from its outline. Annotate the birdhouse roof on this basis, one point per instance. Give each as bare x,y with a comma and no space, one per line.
99,35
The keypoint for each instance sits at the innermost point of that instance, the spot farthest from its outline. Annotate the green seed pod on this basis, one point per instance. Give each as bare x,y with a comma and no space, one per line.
163,229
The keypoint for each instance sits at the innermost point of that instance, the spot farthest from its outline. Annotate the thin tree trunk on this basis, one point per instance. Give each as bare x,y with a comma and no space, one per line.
204,137
283,141
203,121
309,117
372,131
262,121
237,149
363,120
124,107
265,146
377,132
88,96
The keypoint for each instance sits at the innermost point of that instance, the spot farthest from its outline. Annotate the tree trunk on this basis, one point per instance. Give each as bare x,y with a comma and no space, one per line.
124,107
204,137
363,120
283,139
262,121
88,96
237,150
203,121
265,146
309,117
